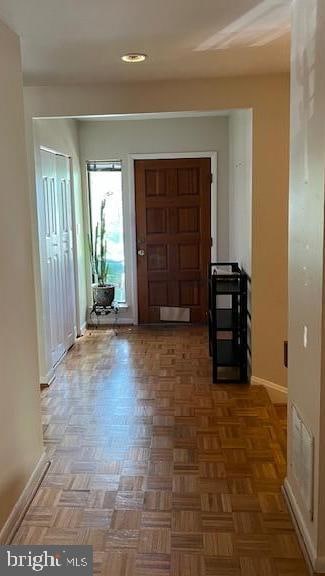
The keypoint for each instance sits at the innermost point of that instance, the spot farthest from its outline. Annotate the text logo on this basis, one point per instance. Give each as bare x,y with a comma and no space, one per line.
46,560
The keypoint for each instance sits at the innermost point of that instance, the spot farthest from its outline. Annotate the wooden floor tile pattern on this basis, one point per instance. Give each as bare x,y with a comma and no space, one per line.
163,473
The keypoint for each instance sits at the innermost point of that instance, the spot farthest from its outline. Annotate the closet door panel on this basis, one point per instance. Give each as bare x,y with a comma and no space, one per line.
67,269
53,255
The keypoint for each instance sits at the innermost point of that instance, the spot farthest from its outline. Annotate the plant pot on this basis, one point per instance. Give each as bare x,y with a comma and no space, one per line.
104,295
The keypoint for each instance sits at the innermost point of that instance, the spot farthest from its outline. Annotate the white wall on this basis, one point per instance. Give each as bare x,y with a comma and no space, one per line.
115,139
20,421
240,188
61,136
306,377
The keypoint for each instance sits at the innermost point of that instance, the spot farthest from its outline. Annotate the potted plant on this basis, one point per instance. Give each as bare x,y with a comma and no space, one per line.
103,291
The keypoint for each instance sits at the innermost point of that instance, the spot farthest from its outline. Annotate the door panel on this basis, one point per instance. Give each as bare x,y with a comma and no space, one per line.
173,235
52,240
59,275
68,302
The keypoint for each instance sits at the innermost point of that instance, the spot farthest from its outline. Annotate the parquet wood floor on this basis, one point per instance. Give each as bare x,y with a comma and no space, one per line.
162,472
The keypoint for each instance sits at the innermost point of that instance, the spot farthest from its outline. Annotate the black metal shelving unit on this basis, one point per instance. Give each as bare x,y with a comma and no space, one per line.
228,322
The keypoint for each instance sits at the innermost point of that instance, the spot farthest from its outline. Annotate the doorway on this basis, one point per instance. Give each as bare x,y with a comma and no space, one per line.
173,238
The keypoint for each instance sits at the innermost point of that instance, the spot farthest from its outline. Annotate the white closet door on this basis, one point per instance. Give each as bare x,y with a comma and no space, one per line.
66,234
58,277
52,275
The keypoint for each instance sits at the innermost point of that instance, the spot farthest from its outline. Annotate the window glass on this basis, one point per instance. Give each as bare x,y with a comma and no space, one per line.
105,181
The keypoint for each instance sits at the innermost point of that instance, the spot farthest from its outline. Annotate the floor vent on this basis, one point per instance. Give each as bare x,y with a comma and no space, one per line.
303,459
174,314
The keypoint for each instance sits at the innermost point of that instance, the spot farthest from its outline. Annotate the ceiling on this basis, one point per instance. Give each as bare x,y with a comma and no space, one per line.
81,41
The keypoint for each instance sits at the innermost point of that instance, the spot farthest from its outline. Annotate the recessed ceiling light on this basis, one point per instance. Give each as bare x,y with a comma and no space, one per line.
134,57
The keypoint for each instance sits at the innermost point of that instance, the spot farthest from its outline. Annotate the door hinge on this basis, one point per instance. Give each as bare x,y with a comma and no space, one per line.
211,178
211,241
285,353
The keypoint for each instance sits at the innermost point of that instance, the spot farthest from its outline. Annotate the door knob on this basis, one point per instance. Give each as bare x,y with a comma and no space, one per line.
141,252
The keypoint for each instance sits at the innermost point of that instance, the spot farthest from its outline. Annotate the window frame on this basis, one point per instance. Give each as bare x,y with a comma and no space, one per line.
125,303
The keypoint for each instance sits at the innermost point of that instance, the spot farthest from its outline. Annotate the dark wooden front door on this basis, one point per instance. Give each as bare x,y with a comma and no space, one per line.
173,200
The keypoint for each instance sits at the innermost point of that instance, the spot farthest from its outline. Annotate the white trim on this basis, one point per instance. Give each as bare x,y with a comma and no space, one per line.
316,564
278,394
77,315
42,300
48,378
214,216
26,497
105,321
83,328
52,151
87,227
224,112
155,116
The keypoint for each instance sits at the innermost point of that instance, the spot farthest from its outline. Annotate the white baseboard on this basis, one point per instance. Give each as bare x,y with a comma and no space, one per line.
278,394
20,508
48,379
83,328
316,564
105,321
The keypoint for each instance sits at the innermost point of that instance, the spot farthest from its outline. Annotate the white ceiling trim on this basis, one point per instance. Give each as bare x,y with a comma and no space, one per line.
153,116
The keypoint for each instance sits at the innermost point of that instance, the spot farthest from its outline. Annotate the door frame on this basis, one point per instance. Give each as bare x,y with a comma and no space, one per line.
76,311
214,208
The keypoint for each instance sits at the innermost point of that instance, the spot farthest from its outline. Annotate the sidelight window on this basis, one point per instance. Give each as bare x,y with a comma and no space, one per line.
105,181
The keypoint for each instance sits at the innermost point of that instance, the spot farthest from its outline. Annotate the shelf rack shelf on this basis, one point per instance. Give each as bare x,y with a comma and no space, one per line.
228,322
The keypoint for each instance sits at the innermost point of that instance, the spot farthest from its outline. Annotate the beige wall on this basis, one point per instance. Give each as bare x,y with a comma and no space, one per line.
306,257
269,99
240,188
61,136
20,423
240,201
117,139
